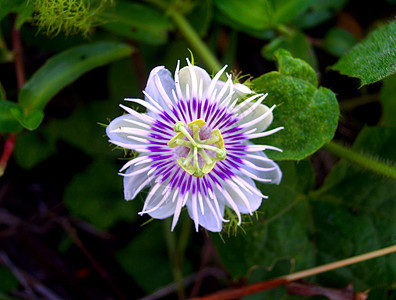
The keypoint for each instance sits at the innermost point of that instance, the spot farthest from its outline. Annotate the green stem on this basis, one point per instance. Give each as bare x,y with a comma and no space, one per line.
174,257
360,159
194,40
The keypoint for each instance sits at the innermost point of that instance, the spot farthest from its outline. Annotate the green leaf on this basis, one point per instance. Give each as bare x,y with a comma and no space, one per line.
354,213
320,11
281,234
138,22
374,58
201,16
338,41
308,114
297,44
287,10
40,144
256,15
96,196
30,121
153,269
388,101
58,72
8,6
8,123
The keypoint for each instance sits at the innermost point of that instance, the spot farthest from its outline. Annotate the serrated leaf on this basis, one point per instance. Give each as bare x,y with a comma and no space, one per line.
256,15
372,59
8,123
61,70
279,235
96,196
308,114
138,22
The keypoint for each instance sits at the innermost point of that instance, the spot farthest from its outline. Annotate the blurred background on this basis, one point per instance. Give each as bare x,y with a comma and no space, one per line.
65,230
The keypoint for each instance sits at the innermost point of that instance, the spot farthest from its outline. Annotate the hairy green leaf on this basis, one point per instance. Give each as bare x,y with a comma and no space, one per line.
58,72
138,22
374,58
308,114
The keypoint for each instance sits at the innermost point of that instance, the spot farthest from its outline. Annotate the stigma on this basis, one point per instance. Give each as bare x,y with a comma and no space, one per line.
198,148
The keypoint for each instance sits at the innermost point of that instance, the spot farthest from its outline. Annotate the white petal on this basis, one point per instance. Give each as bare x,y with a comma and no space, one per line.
241,91
247,203
167,208
207,218
185,78
167,83
259,111
274,175
124,121
134,184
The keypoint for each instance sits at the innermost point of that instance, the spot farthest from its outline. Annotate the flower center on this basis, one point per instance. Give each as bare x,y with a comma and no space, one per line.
196,147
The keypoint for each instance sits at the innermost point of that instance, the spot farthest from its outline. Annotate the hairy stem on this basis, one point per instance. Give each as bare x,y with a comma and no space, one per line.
361,160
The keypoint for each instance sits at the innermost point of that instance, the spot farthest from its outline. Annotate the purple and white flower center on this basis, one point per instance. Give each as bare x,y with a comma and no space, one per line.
196,149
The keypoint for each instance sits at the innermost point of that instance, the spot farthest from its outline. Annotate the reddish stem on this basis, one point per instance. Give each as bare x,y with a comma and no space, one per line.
8,149
20,75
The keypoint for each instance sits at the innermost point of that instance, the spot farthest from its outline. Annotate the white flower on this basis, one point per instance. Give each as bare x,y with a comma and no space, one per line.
194,146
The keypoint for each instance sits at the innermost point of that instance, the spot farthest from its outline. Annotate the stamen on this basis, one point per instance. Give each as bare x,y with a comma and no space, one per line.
190,164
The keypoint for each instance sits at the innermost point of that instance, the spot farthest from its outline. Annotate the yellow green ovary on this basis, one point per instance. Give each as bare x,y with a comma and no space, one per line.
197,146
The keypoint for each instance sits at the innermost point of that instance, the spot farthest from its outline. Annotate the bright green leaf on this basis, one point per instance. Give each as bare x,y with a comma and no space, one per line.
96,196
138,22
309,115
388,101
281,233
8,123
255,15
58,72
374,58
338,41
